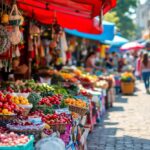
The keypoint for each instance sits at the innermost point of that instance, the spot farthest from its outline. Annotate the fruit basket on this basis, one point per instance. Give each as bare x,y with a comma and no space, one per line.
58,127
80,110
26,108
28,146
127,87
27,130
5,119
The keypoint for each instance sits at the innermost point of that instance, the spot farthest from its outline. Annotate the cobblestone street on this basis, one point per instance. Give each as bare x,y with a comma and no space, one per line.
126,126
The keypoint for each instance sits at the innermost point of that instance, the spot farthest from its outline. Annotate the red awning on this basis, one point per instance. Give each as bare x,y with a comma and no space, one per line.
71,14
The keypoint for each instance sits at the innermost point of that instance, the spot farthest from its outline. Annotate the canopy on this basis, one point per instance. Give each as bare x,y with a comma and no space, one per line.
72,14
132,46
117,41
108,33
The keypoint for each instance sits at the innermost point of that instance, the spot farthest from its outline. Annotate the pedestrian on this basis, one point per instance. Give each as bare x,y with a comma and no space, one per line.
115,60
121,64
138,66
145,68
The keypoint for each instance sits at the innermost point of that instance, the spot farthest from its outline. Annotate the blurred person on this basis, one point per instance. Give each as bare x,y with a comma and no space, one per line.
129,59
115,60
121,63
19,70
145,69
109,62
138,66
90,63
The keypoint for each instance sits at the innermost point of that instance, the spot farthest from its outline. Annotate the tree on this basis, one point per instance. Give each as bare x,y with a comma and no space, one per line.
123,11
112,17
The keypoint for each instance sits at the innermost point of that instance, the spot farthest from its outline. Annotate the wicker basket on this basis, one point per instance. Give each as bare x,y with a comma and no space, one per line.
26,108
81,111
5,119
35,132
58,127
127,87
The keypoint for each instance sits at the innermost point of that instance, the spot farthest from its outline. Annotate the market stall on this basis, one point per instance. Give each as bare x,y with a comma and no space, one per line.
40,100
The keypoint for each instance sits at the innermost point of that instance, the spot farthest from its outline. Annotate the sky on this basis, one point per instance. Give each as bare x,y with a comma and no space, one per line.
143,1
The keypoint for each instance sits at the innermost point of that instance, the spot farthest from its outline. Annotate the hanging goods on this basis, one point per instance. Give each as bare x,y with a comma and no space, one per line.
15,16
47,34
4,40
5,18
34,30
15,36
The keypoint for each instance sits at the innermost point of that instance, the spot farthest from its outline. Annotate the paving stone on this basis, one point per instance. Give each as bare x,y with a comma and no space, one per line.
126,126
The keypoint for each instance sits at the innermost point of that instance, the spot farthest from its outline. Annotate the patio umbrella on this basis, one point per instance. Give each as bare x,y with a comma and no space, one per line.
72,14
117,41
132,46
107,34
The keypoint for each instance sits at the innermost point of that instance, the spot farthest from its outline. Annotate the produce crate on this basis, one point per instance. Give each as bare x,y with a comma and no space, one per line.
28,146
81,111
127,87
59,127
5,119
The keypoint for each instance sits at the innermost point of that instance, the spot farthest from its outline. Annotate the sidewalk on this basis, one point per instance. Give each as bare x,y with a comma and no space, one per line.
126,126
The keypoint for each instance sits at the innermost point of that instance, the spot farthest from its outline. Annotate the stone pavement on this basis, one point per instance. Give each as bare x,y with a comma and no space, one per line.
126,126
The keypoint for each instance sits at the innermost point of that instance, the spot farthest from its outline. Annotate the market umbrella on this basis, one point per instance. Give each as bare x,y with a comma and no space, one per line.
107,34
116,43
72,14
132,46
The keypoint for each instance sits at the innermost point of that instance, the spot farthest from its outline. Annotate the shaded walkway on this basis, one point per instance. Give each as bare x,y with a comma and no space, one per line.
126,126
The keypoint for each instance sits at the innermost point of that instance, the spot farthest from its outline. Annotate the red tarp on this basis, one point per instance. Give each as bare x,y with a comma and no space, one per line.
71,14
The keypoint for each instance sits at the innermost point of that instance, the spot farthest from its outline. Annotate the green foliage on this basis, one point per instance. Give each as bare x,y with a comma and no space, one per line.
112,17
121,15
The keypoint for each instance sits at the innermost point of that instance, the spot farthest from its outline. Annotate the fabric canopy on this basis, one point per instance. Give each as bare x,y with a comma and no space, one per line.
132,46
72,14
117,41
108,33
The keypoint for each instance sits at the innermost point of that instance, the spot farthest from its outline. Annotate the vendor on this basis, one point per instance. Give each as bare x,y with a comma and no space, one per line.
19,71
91,61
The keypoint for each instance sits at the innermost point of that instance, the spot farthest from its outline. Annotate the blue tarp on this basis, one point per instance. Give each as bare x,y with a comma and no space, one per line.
108,32
116,43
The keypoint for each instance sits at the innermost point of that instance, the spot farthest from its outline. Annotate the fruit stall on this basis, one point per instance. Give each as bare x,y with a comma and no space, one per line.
42,103
69,108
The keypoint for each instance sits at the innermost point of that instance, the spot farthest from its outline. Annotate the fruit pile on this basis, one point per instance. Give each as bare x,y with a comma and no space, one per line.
51,100
13,139
3,130
47,131
51,119
37,113
7,107
76,102
20,100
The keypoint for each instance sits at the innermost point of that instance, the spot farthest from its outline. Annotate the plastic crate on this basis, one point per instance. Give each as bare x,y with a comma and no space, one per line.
28,146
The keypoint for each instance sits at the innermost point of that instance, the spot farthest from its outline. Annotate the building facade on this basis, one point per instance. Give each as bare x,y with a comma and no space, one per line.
143,18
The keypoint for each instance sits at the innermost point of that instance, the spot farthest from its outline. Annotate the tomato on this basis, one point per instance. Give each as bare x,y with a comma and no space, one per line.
1,104
9,108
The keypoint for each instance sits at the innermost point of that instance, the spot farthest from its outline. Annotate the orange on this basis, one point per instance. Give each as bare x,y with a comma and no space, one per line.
5,111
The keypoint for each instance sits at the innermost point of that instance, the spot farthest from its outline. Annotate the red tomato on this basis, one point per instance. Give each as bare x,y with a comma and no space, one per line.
1,104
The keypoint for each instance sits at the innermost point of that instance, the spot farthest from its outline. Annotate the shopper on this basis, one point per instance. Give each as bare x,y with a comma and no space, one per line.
145,68
109,62
115,60
138,66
